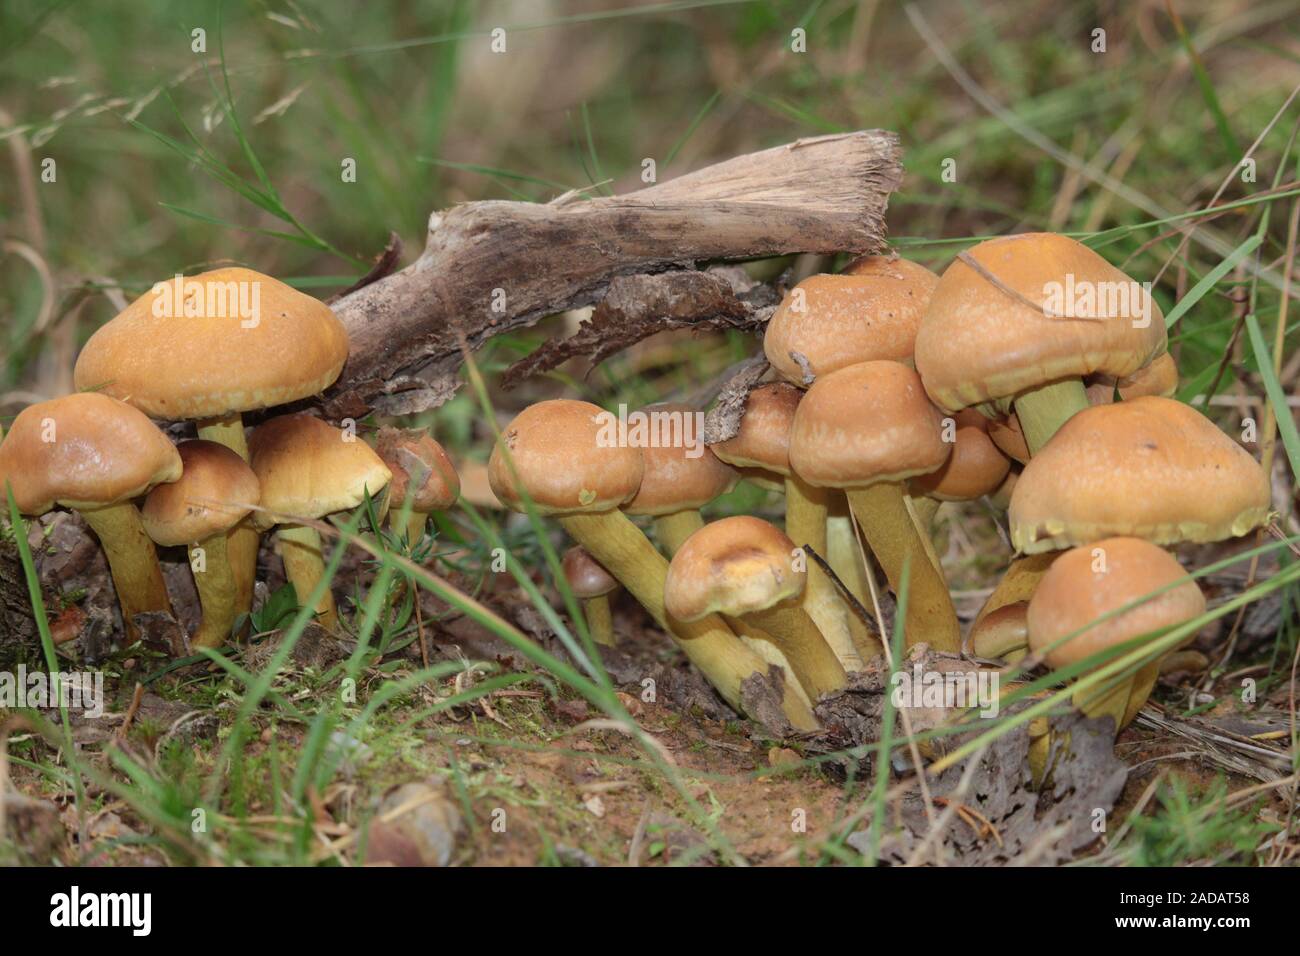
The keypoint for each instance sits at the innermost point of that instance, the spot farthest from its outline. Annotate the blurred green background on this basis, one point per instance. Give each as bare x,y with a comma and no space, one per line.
155,176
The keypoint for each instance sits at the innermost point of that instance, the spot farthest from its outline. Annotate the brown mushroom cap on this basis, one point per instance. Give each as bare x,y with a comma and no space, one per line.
84,450
974,469
1151,468
977,343
1075,592
1007,434
178,366
673,481
870,313
405,452
1158,378
565,459
309,469
215,491
587,577
866,423
732,566
763,440
1002,631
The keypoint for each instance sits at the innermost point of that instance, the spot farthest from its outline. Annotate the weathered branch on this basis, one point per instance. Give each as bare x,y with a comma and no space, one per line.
490,267
639,306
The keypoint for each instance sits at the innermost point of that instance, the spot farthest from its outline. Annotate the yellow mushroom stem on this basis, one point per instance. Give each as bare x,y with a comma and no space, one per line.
1110,698
765,646
923,509
1018,583
806,510
847,561
242,541
304,566
132,561
412,529
881,510
725,661
1120,701
815,665
216,587
1045,409
671,530
1144,681
600,620
1040,749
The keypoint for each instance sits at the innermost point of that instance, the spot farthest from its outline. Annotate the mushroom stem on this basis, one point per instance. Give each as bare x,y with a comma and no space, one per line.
881,510
216,587
1018,583
600,621
1144,681
805,523
132,560
618,544
764,645
1045,409
413,528
923,509
242,542
671,530
815,665
1104,701
300,548
227,430
846,560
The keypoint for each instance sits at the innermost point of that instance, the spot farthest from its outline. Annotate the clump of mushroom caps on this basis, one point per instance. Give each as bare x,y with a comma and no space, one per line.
892,390
229,343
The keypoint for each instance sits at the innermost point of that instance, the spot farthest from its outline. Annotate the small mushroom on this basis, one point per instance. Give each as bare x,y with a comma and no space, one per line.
554,455
1160,377
677,480
989,335
744,567
307,470
94,455
867,429
974,469
422,475
215,492
592,585
1067,616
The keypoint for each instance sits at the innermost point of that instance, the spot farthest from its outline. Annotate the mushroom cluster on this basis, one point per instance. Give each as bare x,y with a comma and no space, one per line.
894,389
212,349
